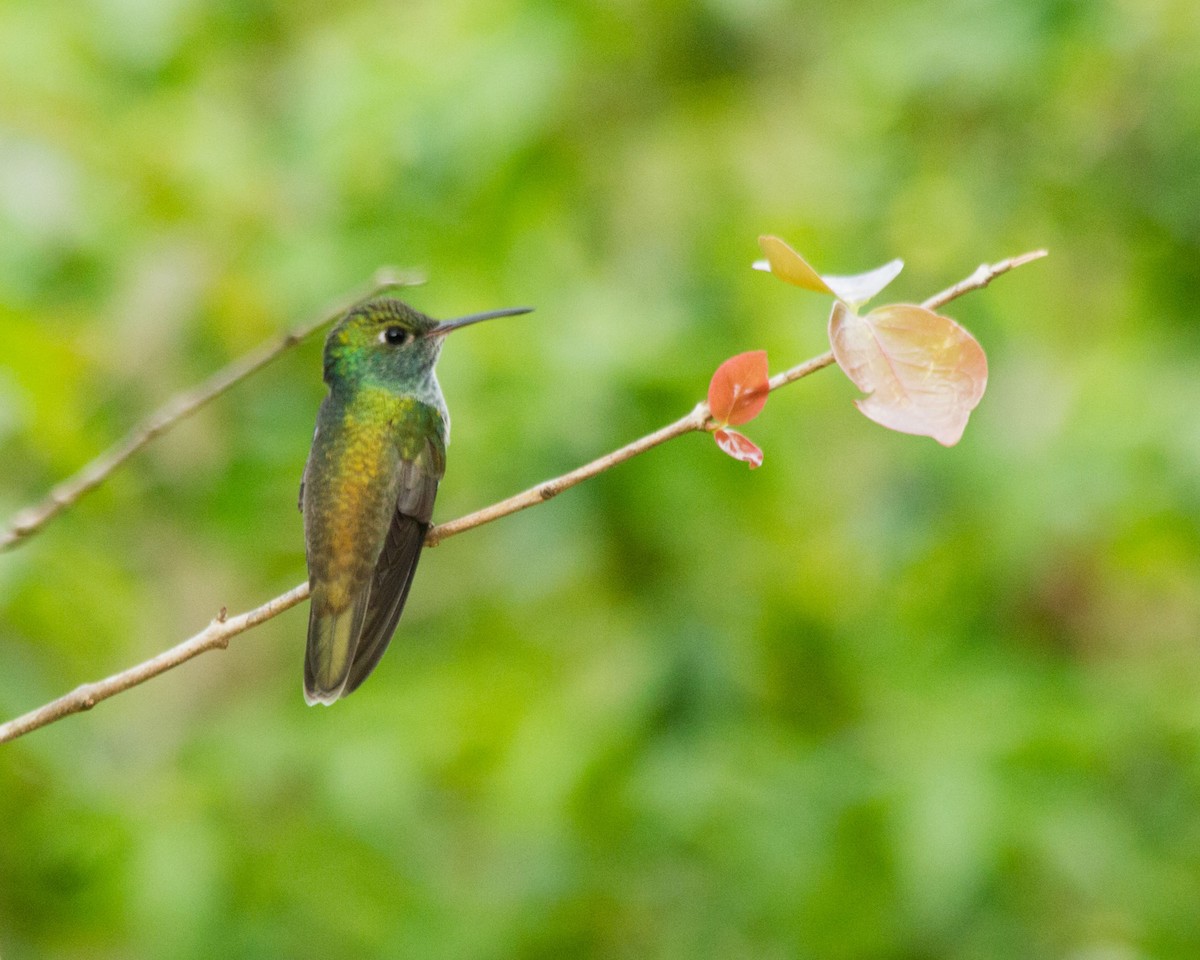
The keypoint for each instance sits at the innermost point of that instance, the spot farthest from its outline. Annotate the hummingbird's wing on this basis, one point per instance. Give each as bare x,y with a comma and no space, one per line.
398,560
304,475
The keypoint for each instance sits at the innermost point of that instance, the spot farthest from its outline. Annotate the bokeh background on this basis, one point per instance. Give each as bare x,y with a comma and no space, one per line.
878,699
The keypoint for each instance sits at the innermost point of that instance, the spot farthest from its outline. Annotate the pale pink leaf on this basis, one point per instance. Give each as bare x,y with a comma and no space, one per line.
923,372
739,446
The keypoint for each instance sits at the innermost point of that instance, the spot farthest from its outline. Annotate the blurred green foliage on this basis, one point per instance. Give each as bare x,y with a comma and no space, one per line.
876,700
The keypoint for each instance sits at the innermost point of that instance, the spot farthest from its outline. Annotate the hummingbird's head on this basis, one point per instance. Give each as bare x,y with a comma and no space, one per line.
385,341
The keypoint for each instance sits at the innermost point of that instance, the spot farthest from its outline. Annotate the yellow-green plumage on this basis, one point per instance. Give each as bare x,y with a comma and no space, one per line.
354,480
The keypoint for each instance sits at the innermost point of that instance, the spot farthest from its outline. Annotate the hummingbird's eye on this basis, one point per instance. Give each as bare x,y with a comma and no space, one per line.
396,336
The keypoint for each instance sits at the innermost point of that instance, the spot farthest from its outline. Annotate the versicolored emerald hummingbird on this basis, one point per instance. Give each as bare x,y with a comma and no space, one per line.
367,493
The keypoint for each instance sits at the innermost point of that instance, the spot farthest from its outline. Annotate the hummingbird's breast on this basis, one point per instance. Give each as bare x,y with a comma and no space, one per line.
351,485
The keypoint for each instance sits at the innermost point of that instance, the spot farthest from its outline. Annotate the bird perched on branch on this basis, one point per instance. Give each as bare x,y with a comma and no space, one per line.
367,495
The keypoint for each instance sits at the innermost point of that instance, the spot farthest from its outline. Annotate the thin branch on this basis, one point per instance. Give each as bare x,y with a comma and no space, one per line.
181,406
548,489
217,634
984,274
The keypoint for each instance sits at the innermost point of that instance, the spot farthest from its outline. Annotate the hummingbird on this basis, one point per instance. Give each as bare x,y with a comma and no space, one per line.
367,493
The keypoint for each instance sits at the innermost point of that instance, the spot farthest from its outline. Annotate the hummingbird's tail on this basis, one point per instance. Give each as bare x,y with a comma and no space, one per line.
332,641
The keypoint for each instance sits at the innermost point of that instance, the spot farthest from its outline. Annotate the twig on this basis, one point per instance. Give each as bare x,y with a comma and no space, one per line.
217,633
548,489
215,636
984,274
182,405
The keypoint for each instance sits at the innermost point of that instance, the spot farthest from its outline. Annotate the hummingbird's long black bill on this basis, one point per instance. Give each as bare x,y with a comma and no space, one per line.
445,327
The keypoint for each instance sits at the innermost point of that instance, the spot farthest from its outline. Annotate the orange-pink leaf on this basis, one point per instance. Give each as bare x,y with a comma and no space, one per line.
738,390
924,373
739,447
